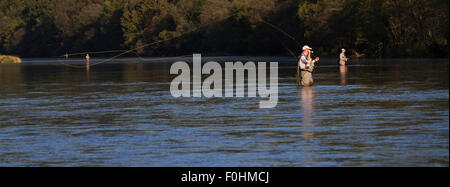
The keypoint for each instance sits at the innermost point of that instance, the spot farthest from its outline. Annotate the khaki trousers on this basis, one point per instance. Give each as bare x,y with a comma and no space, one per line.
304,77
307,79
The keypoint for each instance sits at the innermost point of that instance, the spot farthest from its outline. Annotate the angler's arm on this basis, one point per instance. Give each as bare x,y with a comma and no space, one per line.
303,60
313,63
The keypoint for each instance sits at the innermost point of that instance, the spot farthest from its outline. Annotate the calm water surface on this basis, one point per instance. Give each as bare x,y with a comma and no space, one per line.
372,113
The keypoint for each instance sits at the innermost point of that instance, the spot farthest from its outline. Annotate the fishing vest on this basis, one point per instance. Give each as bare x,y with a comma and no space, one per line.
301,64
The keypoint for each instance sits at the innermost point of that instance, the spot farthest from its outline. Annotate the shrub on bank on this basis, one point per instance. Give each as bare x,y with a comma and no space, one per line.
9,59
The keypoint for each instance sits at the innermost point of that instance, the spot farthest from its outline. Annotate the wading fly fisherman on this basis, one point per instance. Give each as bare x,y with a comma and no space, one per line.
305,67
342,58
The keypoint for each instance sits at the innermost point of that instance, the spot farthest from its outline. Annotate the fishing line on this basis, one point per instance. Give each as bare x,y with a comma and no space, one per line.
141,47
281,30
123,52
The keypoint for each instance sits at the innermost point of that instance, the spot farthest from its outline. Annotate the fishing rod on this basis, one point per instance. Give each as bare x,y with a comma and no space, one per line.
123,52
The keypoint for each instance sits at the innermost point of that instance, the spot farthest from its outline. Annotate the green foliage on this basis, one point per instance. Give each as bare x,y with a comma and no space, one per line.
372,28
254,10
9,59
378,28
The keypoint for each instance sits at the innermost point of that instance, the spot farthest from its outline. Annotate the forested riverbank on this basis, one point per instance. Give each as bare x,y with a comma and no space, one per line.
370,28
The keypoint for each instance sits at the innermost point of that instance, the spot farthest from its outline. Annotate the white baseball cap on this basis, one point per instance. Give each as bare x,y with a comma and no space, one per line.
306,47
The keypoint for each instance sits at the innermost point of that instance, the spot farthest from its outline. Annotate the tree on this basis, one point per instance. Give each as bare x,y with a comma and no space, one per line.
374,28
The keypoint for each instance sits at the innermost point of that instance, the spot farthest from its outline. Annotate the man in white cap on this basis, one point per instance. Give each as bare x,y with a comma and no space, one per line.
342,58
305,67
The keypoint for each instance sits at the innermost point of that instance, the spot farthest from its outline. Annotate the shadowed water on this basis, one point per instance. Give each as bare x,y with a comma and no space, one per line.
370,113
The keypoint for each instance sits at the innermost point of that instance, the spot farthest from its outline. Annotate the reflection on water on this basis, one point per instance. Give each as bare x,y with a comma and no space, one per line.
343,70
371,113
308,109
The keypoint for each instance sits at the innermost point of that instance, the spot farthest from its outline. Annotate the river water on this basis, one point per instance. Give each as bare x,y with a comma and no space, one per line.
370,113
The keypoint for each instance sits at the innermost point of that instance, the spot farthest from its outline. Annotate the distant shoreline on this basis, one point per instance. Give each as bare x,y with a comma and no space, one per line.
220,59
